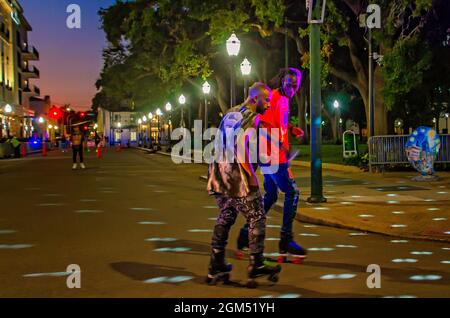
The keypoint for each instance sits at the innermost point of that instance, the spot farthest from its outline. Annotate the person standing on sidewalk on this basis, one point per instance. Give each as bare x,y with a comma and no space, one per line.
232,180
288,83
77,139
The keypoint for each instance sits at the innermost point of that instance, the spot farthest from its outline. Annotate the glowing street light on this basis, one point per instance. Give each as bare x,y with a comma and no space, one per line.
246,67
336,104
159,112
8,108
139,121
50,126
144,119
169,107
41,120
119,125
206,88
150,116
182,99
233,45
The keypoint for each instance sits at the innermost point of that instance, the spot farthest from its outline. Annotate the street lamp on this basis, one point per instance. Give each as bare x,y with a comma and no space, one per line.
446,121
206,90
246,69
150,118
337,116
159,114
8,108
182,101
233,47
336,104
41,120
140,131
169,111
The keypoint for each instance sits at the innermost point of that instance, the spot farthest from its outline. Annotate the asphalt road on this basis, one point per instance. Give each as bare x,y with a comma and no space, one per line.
140,226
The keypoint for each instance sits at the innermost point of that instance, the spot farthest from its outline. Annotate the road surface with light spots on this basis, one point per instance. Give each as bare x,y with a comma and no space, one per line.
140,226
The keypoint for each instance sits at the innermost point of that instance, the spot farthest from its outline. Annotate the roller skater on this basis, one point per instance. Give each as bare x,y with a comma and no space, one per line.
281,178
232,180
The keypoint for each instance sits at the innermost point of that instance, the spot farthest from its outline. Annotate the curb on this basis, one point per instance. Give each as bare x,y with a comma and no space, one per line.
319,221
328,166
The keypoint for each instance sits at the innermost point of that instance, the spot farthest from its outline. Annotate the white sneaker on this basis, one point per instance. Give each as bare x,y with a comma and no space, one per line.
74,167
82,166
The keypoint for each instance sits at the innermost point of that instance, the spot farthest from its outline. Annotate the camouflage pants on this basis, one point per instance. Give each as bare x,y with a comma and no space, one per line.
252,209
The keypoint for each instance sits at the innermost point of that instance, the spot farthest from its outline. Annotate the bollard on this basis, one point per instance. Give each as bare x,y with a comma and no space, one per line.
44,149
24,149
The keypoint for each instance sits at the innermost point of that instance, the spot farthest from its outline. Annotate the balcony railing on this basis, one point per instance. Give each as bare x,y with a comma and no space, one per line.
30,55
36,52
36,90
35,71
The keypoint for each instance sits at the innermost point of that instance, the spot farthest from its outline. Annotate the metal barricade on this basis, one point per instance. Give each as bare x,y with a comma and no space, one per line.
390,150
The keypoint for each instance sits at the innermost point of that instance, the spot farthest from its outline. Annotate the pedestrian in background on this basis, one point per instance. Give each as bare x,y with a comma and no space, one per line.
77,139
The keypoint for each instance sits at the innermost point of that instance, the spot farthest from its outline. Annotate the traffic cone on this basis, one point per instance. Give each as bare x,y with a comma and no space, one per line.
24,149
99,152
44,149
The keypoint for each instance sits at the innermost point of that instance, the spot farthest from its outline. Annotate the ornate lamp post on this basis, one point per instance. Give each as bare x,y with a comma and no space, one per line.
337,115
246,69
140,131
159,114
182,101
169,112
206,90
150,118
233,47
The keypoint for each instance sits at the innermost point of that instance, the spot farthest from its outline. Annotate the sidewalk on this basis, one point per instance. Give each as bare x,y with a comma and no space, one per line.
387,203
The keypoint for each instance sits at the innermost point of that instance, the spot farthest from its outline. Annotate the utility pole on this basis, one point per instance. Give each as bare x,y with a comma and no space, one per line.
315,101
371,20
371,99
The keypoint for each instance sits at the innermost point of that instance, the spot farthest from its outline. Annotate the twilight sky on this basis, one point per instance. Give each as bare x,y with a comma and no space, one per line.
70,59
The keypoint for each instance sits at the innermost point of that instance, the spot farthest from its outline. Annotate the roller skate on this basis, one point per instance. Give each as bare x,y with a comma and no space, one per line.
289,248
242,243
219,271
259,267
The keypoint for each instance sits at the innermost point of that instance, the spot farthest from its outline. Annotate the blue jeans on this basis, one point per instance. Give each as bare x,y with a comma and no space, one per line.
283,181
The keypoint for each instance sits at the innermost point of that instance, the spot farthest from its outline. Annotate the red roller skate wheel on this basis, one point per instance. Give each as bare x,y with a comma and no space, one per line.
297,260
281,259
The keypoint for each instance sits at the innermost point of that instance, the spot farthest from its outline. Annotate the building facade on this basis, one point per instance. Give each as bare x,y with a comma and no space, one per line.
119,127
16,72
